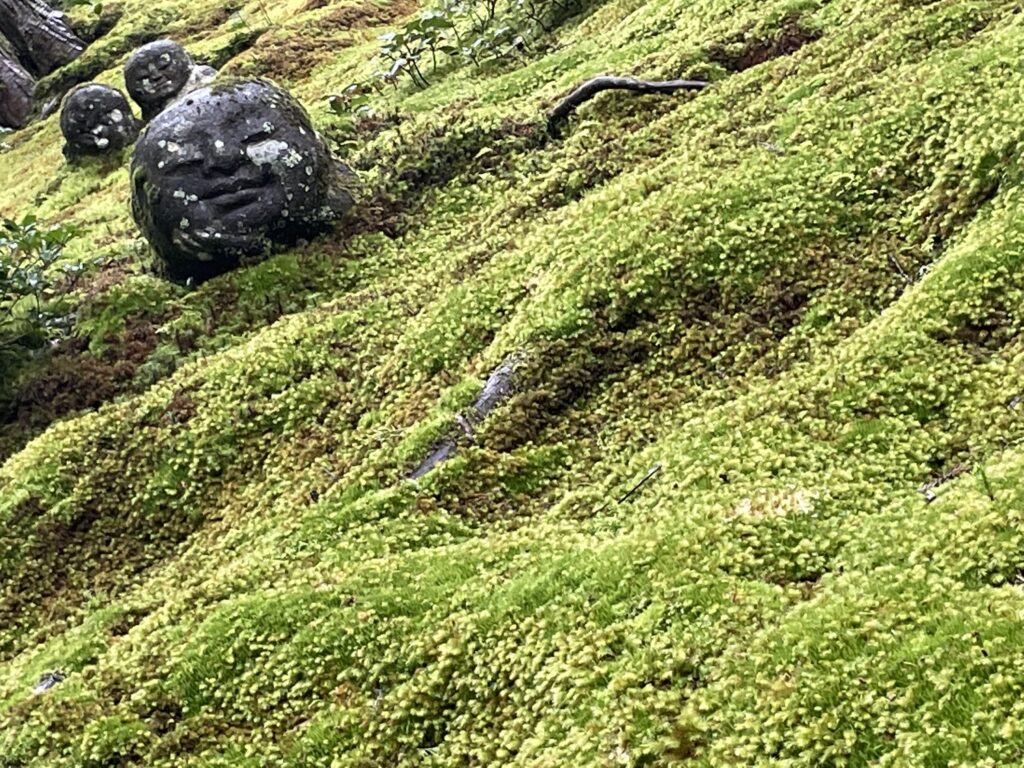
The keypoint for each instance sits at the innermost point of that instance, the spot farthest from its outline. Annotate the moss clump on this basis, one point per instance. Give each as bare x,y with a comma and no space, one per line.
799,292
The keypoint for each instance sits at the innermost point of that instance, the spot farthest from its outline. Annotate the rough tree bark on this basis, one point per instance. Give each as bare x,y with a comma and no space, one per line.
16,88
591,88
40,35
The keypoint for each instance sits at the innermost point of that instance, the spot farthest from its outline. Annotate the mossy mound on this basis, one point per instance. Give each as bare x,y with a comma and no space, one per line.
800,292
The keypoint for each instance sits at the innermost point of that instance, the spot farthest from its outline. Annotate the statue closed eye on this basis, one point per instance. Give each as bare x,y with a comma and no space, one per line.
230,172
161,71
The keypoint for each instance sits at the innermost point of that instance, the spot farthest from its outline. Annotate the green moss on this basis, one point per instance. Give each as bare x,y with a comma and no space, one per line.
799,292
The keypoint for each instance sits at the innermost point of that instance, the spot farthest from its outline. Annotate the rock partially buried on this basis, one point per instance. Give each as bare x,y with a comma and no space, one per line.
160,72
228,173
95,120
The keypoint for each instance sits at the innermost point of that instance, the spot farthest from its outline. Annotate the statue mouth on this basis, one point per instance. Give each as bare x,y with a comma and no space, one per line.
230,201
233,194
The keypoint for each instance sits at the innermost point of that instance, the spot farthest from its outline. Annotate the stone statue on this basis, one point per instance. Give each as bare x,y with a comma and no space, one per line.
159,72
96,119
229,172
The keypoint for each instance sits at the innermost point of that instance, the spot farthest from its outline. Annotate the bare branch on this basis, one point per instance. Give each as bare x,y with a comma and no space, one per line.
591,88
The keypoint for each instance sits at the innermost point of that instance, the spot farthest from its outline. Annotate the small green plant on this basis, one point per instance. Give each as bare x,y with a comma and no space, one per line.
4,146
353,107
466,31
33,287
455,33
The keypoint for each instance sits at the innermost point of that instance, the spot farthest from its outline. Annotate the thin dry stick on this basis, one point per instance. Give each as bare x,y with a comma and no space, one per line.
646,478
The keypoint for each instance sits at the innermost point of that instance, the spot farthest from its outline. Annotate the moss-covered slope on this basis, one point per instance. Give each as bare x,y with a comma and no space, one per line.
800,292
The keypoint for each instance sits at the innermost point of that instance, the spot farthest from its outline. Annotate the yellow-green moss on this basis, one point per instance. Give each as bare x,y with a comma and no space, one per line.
799,292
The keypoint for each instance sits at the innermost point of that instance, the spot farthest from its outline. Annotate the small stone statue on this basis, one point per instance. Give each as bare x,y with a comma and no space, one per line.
159,72
230,171
96,119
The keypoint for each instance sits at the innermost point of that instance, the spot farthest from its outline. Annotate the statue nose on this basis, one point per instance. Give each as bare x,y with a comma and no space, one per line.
218,156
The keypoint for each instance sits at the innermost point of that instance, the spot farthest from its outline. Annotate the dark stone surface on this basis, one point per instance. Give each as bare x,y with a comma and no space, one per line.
96,119
201,76
39,34
230,172
156,74
16,89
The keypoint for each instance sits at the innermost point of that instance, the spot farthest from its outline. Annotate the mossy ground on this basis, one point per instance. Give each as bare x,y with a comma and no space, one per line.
800,291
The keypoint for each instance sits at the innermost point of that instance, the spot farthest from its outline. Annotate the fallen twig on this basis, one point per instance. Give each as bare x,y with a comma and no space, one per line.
591,88
928,489
646,479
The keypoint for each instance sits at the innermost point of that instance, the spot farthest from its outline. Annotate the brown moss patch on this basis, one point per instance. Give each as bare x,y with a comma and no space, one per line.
74,380
365,14
287,55
741,53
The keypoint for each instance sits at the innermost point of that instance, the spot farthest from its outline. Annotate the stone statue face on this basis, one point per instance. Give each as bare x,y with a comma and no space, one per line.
156,73
96,119
228,171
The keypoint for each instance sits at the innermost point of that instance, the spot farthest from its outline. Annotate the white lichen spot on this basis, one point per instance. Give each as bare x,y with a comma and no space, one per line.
185,224
218,144
173,147
102,143
179,194
117,116
269,152
309,170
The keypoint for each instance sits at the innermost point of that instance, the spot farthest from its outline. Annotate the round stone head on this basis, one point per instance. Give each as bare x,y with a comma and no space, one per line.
96,119
229,172
156,73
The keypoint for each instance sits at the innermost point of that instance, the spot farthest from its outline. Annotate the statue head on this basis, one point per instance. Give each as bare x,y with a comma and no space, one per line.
229,172
156,73
96,119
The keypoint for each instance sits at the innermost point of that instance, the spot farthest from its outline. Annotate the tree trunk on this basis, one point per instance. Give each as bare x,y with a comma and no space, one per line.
40,35
16,88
